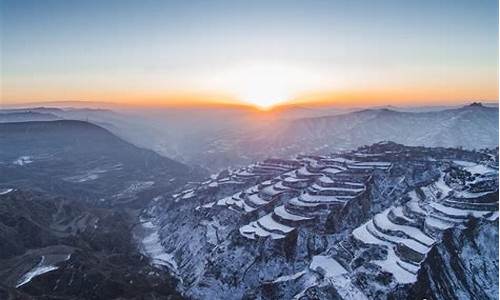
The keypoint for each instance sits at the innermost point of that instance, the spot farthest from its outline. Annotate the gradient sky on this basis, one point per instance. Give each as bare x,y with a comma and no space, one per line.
346,52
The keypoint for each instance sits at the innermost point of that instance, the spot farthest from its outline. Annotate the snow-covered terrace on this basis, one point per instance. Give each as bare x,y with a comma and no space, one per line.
402,226
265,226
316,189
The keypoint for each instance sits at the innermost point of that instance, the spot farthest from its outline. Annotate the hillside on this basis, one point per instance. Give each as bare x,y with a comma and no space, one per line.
81,160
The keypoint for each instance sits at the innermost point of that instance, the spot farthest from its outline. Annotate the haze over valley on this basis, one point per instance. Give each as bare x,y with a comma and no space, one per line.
305,150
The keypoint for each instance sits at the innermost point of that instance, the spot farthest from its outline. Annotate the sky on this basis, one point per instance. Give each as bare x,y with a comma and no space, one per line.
260,52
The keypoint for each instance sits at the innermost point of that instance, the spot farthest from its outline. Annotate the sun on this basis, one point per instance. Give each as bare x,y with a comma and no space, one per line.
265,85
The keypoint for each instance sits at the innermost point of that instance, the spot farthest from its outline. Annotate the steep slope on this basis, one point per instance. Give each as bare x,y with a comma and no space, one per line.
469,265
354,225
55,248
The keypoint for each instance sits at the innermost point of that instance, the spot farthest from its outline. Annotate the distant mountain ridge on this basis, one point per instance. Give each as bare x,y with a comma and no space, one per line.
219,138
474,126
27,116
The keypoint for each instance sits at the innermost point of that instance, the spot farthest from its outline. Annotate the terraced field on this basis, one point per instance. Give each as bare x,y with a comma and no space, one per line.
362,222
294,192
408,231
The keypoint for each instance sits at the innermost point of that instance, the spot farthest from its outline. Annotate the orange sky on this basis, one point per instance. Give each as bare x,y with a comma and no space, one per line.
346,98
265,53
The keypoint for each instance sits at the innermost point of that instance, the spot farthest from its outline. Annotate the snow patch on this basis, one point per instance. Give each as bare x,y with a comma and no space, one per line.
152,247
39,269
5,191
23,160
289,277
329,265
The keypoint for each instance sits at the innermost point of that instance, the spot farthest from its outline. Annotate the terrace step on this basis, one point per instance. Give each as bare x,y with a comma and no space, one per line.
397,216
281,214
254,231
382,222
490,206
392,263
268,223
254,200
456,213
435,225
396,240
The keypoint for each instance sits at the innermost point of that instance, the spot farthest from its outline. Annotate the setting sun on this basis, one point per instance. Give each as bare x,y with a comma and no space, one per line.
262,149
266,84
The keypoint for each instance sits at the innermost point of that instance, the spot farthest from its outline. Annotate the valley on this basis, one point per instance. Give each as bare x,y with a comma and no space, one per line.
86,214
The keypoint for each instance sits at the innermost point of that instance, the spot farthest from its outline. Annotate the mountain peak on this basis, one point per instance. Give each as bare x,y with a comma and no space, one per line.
475,104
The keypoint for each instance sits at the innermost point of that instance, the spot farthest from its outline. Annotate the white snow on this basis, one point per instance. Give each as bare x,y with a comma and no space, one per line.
83,178
265,227
6,191
267,222
398,212
346,289
255,199
337,189
474,168
437,223
289,277
337,276
470,195
134,188
297,202
440,184
153,248
493,217
373,164
308,198
464,163
410,243
23,160
213,184
209,205
362,234
235,200
292,179
413,204
211,230
456,212
339,160
384,223
480,169
279,186
329,265
331,170
188,195
271,191
281,212
304,172
391,263
325,179
253,230
39,269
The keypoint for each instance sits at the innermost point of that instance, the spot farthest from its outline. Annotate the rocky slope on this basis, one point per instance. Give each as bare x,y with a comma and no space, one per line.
468,264
352,225
54,248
